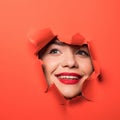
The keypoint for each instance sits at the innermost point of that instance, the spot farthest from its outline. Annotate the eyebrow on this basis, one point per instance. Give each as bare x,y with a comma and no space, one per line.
57,42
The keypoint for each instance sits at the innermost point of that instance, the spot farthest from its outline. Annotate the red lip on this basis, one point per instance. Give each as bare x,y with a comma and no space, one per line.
69,80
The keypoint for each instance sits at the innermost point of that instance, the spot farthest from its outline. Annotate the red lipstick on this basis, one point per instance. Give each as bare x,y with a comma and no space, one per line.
68,78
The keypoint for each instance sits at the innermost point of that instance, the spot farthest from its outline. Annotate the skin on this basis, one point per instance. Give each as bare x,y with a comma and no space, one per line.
60,57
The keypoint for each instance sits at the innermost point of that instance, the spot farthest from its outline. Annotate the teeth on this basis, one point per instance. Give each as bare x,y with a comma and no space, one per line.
68,77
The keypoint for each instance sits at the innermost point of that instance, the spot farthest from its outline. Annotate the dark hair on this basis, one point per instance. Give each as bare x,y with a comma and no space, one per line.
41,51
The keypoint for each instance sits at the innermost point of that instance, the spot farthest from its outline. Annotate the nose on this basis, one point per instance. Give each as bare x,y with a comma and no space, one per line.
69,61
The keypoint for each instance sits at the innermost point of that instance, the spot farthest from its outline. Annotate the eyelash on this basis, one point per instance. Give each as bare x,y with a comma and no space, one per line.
79,52
54,51
82,52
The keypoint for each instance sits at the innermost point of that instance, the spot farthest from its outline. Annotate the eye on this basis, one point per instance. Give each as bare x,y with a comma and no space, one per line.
82,52
54,51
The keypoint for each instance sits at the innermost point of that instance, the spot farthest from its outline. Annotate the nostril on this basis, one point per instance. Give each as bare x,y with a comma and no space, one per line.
70,62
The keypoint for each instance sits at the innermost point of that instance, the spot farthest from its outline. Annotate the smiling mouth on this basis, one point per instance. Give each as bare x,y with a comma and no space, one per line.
68,78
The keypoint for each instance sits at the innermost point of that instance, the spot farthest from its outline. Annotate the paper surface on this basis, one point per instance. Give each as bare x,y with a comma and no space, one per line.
20,81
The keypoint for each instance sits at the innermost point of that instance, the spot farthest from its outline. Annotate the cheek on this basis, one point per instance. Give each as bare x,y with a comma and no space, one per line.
49,65
86,66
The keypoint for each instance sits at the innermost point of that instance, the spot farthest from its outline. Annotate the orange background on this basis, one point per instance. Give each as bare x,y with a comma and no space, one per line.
97,20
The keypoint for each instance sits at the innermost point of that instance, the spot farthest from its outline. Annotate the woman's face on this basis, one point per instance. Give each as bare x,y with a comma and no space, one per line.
67,66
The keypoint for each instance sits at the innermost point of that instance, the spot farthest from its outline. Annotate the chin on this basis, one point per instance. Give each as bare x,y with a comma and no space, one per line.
70,96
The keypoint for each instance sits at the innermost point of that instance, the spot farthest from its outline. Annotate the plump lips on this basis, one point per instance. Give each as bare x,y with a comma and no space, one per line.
68,78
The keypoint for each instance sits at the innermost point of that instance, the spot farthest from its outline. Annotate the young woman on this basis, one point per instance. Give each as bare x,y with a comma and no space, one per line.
67,64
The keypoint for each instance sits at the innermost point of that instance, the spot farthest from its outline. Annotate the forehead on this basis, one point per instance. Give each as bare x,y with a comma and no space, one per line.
57,42
60,43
